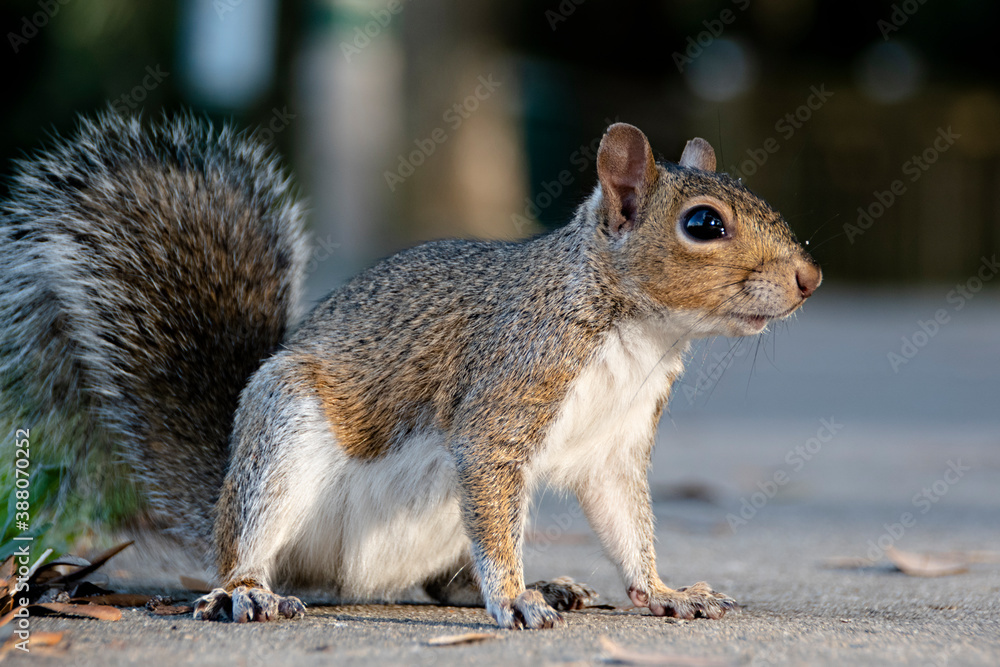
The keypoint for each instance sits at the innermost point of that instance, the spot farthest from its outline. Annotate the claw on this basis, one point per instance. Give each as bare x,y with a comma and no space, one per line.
697,601
564,594
245,604
529,610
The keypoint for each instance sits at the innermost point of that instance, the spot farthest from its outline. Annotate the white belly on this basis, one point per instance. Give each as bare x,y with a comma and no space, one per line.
384,525
610,408
371,529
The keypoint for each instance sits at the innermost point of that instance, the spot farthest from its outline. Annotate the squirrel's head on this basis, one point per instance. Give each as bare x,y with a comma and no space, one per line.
697,243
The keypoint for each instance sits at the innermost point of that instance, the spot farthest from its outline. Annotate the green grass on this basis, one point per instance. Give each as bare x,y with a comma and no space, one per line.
78,490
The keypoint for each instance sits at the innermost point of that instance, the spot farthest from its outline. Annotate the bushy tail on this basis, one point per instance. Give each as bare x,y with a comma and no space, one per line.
145,273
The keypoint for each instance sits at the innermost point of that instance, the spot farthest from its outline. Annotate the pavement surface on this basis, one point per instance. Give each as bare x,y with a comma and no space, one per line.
775,459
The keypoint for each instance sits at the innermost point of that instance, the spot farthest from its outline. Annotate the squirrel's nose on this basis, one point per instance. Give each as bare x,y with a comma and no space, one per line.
808,276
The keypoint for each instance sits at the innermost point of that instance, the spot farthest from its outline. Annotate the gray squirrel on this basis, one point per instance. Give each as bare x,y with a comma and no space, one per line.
150,276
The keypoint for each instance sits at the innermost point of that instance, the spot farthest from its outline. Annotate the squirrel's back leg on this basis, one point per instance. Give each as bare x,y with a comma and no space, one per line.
457,587
299,507
274,483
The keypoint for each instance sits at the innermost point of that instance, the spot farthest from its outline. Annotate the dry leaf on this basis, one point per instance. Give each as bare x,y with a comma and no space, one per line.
86,589
927,565
616,653
8,617
100,612
467,638
38,564
115,599
983,556
196,585
83,571
38,640
171,610
46,638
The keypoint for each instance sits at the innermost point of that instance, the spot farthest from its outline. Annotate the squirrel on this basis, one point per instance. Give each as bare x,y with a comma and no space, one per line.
394,436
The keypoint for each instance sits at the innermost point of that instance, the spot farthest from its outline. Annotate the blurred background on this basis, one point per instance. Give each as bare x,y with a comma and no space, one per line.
873,126
404,123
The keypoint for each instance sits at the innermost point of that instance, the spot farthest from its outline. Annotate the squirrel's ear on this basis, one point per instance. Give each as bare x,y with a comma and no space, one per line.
626,169
699,154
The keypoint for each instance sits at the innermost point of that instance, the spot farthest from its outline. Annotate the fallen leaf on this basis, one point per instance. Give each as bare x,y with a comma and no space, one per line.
6,571
115,599
467,638
8,617
86,589
927,565
172,610
46,638
57,568
196,585
100,612
616,653
983,556
94,565
38,640
38,563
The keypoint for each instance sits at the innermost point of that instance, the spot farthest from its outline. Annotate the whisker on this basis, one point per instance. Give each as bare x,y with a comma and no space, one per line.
753,365
668,350
824,224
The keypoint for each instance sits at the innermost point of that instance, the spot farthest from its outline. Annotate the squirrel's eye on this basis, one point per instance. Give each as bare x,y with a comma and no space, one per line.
704,224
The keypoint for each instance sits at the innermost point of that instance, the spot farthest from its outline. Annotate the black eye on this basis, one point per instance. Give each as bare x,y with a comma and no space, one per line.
704,224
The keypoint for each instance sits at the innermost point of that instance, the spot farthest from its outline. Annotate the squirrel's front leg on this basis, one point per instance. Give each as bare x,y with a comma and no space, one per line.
617,503
494,507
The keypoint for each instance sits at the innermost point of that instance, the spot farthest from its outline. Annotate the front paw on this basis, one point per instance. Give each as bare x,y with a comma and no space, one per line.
245,604
529,610
697,601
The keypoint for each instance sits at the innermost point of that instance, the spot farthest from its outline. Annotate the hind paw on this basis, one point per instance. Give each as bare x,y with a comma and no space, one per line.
565,594
245,604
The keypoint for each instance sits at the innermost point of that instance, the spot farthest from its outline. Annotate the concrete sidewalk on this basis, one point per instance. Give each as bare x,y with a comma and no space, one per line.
819,454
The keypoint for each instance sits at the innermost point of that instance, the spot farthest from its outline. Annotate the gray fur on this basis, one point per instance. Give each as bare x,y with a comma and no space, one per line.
402,427
144,274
